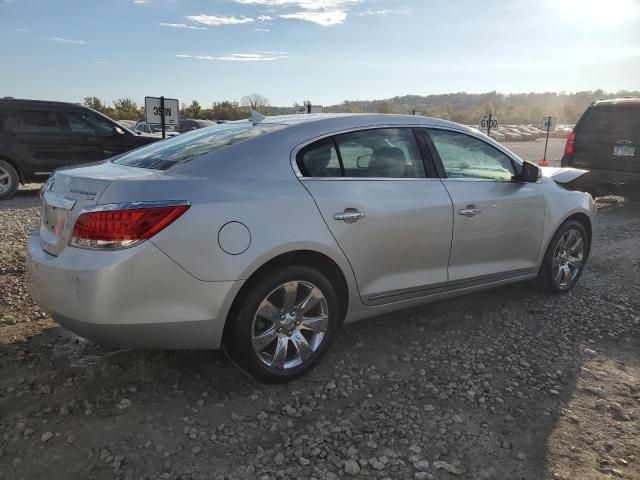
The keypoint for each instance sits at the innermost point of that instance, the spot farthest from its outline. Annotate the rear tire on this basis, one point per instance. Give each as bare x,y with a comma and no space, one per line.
9,180
566,257
286,323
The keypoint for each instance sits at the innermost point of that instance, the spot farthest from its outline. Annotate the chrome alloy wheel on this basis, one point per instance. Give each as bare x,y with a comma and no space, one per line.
5,180
289,325
568,257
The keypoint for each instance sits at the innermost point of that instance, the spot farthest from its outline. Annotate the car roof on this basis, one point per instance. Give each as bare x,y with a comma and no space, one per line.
330,121
15,101
618,101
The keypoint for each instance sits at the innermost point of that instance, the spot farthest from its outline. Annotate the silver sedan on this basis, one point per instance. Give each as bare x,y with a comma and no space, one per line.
264,236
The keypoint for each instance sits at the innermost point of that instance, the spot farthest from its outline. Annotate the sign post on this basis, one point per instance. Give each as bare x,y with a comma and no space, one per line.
488,122
548,124
161,111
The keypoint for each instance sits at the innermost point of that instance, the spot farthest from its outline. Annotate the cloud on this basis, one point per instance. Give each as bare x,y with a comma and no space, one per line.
101,62
180,25
215,20
264,18
383,12
262,29
325,19
68,40
240,57
141,2
305,4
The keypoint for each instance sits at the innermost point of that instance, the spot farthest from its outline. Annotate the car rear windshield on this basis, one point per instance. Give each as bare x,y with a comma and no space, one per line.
165,154
620,120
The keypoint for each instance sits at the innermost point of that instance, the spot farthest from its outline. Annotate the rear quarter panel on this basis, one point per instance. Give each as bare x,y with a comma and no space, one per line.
560,204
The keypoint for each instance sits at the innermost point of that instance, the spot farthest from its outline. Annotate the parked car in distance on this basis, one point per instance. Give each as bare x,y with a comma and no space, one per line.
130,124
37,137
156,130
188,124
606,140
265,236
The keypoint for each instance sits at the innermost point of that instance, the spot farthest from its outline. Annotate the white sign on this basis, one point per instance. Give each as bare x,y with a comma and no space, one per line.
548,123
153,111
485,123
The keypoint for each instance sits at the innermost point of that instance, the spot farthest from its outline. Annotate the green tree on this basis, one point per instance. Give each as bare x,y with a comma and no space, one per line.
228,111
192,111
126,109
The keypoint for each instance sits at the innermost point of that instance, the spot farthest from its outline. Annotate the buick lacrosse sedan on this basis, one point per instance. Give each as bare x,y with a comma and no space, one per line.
264,236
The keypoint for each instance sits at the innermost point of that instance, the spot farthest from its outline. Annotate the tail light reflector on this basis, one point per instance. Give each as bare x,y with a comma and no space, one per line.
571,139
112,227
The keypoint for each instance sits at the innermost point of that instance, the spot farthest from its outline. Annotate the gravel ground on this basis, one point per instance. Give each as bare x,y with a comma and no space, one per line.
511,383
534,151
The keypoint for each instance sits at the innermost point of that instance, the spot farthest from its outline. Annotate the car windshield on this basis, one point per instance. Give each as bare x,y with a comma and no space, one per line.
183,148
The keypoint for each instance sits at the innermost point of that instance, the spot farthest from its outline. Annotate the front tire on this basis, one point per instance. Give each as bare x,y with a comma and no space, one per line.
566,257
9,180
286,323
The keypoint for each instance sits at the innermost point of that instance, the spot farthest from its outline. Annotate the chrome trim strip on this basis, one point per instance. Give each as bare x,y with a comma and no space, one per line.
445,287
367,179
58,201
131,205
42,173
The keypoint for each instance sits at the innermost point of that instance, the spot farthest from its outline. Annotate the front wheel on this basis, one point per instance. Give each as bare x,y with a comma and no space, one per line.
566,257
286,323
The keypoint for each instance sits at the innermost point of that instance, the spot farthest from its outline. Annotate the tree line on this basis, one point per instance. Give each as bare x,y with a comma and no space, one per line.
467,108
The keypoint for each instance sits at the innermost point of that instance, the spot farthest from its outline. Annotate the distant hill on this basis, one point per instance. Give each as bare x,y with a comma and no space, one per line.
516,108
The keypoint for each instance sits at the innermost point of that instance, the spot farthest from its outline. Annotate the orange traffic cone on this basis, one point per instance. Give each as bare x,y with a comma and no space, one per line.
544,163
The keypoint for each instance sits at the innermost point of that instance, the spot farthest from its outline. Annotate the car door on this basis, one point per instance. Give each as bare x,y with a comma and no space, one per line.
95,137
39,140
498,220
390,219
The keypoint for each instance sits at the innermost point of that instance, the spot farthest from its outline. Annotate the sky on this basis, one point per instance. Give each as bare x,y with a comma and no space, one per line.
326,51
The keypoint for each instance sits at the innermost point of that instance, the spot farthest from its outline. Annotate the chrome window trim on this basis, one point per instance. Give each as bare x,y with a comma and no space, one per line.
478,135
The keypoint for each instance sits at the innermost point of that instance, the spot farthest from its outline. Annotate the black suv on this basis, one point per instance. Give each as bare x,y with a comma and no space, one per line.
606,141
36,137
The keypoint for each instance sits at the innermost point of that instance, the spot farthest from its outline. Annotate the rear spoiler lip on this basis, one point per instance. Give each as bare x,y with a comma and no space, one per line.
563,175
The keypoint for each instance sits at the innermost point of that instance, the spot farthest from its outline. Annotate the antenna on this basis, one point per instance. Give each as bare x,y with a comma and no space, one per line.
256,117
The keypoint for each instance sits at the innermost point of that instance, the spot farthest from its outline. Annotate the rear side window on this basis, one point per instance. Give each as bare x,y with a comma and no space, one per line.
622,120
374,153
183,148
320,160
41,120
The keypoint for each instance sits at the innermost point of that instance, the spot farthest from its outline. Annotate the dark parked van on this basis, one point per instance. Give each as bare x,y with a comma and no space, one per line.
606,141
36,137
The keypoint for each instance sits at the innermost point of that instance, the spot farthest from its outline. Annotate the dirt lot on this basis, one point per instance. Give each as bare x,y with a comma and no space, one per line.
507,384
534,151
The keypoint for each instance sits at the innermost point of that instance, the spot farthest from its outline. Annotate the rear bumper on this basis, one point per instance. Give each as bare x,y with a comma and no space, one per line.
616,181
134,298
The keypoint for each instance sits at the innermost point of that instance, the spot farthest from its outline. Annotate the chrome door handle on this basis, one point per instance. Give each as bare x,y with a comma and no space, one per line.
470,212
348,215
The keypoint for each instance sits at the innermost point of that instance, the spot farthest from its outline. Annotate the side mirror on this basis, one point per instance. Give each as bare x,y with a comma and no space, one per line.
530,172
117,131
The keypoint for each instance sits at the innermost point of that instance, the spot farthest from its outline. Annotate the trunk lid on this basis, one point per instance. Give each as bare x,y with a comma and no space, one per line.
70,190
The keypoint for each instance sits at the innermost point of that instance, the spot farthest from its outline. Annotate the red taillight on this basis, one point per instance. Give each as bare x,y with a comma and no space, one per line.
122,227
571,139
